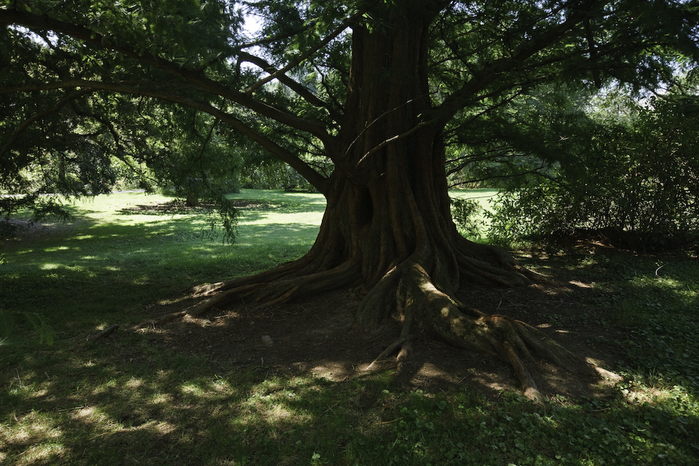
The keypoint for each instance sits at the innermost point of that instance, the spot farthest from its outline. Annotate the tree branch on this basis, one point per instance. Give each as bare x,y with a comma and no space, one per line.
310,52
497,68
312,176
39,116
290,83
32,21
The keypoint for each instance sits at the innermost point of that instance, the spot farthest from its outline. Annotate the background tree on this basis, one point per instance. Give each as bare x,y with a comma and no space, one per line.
388,82
616,165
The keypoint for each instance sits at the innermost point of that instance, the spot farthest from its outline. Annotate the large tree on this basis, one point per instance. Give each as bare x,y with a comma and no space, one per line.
375,89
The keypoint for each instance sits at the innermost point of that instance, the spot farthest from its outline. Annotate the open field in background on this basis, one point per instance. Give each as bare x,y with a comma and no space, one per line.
483,196
203,392
119,254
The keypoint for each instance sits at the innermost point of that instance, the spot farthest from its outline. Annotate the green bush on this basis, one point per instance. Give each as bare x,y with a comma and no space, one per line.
635,182
274,176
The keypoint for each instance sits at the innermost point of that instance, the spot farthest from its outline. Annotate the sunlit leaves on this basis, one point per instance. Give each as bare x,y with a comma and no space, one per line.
482,55
626,168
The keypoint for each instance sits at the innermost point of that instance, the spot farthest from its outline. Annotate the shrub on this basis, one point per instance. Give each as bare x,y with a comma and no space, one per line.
636,183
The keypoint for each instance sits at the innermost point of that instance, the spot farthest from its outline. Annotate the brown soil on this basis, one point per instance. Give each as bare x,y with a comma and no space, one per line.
316,335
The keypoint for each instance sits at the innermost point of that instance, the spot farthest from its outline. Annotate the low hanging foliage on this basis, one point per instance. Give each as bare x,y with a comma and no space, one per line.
465,213
227,219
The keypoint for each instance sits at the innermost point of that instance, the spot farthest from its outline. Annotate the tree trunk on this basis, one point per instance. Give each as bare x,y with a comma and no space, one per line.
387,227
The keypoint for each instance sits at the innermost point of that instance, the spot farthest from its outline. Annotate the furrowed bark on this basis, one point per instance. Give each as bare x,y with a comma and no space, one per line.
387,229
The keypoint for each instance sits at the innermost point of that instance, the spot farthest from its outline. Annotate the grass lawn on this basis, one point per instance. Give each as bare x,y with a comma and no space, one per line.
207,392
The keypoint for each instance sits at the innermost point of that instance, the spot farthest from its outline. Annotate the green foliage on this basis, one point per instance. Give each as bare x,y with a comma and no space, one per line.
37,322
228,219
273,175
631,178
465,213
201,163
79,143
92,83
467,429
522,141
43,330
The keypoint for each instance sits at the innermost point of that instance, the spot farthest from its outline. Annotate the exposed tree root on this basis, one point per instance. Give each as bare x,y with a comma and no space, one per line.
273,287
421,303
391,348
411,291
490,265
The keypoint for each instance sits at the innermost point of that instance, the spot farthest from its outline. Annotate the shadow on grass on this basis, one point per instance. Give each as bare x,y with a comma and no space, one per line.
90,273
139,397
126,401
146,397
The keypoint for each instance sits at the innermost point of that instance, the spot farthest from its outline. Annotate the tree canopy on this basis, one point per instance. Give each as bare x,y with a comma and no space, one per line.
622,170
80,69
361,98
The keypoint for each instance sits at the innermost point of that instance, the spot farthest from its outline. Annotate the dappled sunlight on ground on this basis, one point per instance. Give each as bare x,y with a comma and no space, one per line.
335,370
213,387
37,435
290,384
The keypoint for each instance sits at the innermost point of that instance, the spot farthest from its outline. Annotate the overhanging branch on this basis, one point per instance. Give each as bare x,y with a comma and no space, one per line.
312,176
310,52
295,86
197,78
41,115
497,68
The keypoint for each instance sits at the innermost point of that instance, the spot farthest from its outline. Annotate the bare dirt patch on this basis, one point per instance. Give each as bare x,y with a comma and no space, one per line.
316,335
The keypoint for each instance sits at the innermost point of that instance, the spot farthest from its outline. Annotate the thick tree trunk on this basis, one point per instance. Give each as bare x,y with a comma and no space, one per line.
388,227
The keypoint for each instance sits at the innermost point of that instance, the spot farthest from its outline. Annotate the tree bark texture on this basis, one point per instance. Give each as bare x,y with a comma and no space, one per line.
387,228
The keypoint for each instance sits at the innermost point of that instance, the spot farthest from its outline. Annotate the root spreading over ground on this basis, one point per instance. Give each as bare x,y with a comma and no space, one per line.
406,297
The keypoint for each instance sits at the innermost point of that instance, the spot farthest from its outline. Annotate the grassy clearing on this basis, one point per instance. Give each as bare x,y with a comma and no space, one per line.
107,264
129,400
482,196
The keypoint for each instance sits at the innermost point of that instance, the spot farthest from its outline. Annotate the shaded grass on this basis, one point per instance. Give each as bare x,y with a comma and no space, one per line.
132,401
175,408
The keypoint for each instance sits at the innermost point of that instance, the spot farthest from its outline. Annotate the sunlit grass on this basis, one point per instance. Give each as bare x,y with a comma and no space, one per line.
143,256
131,401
